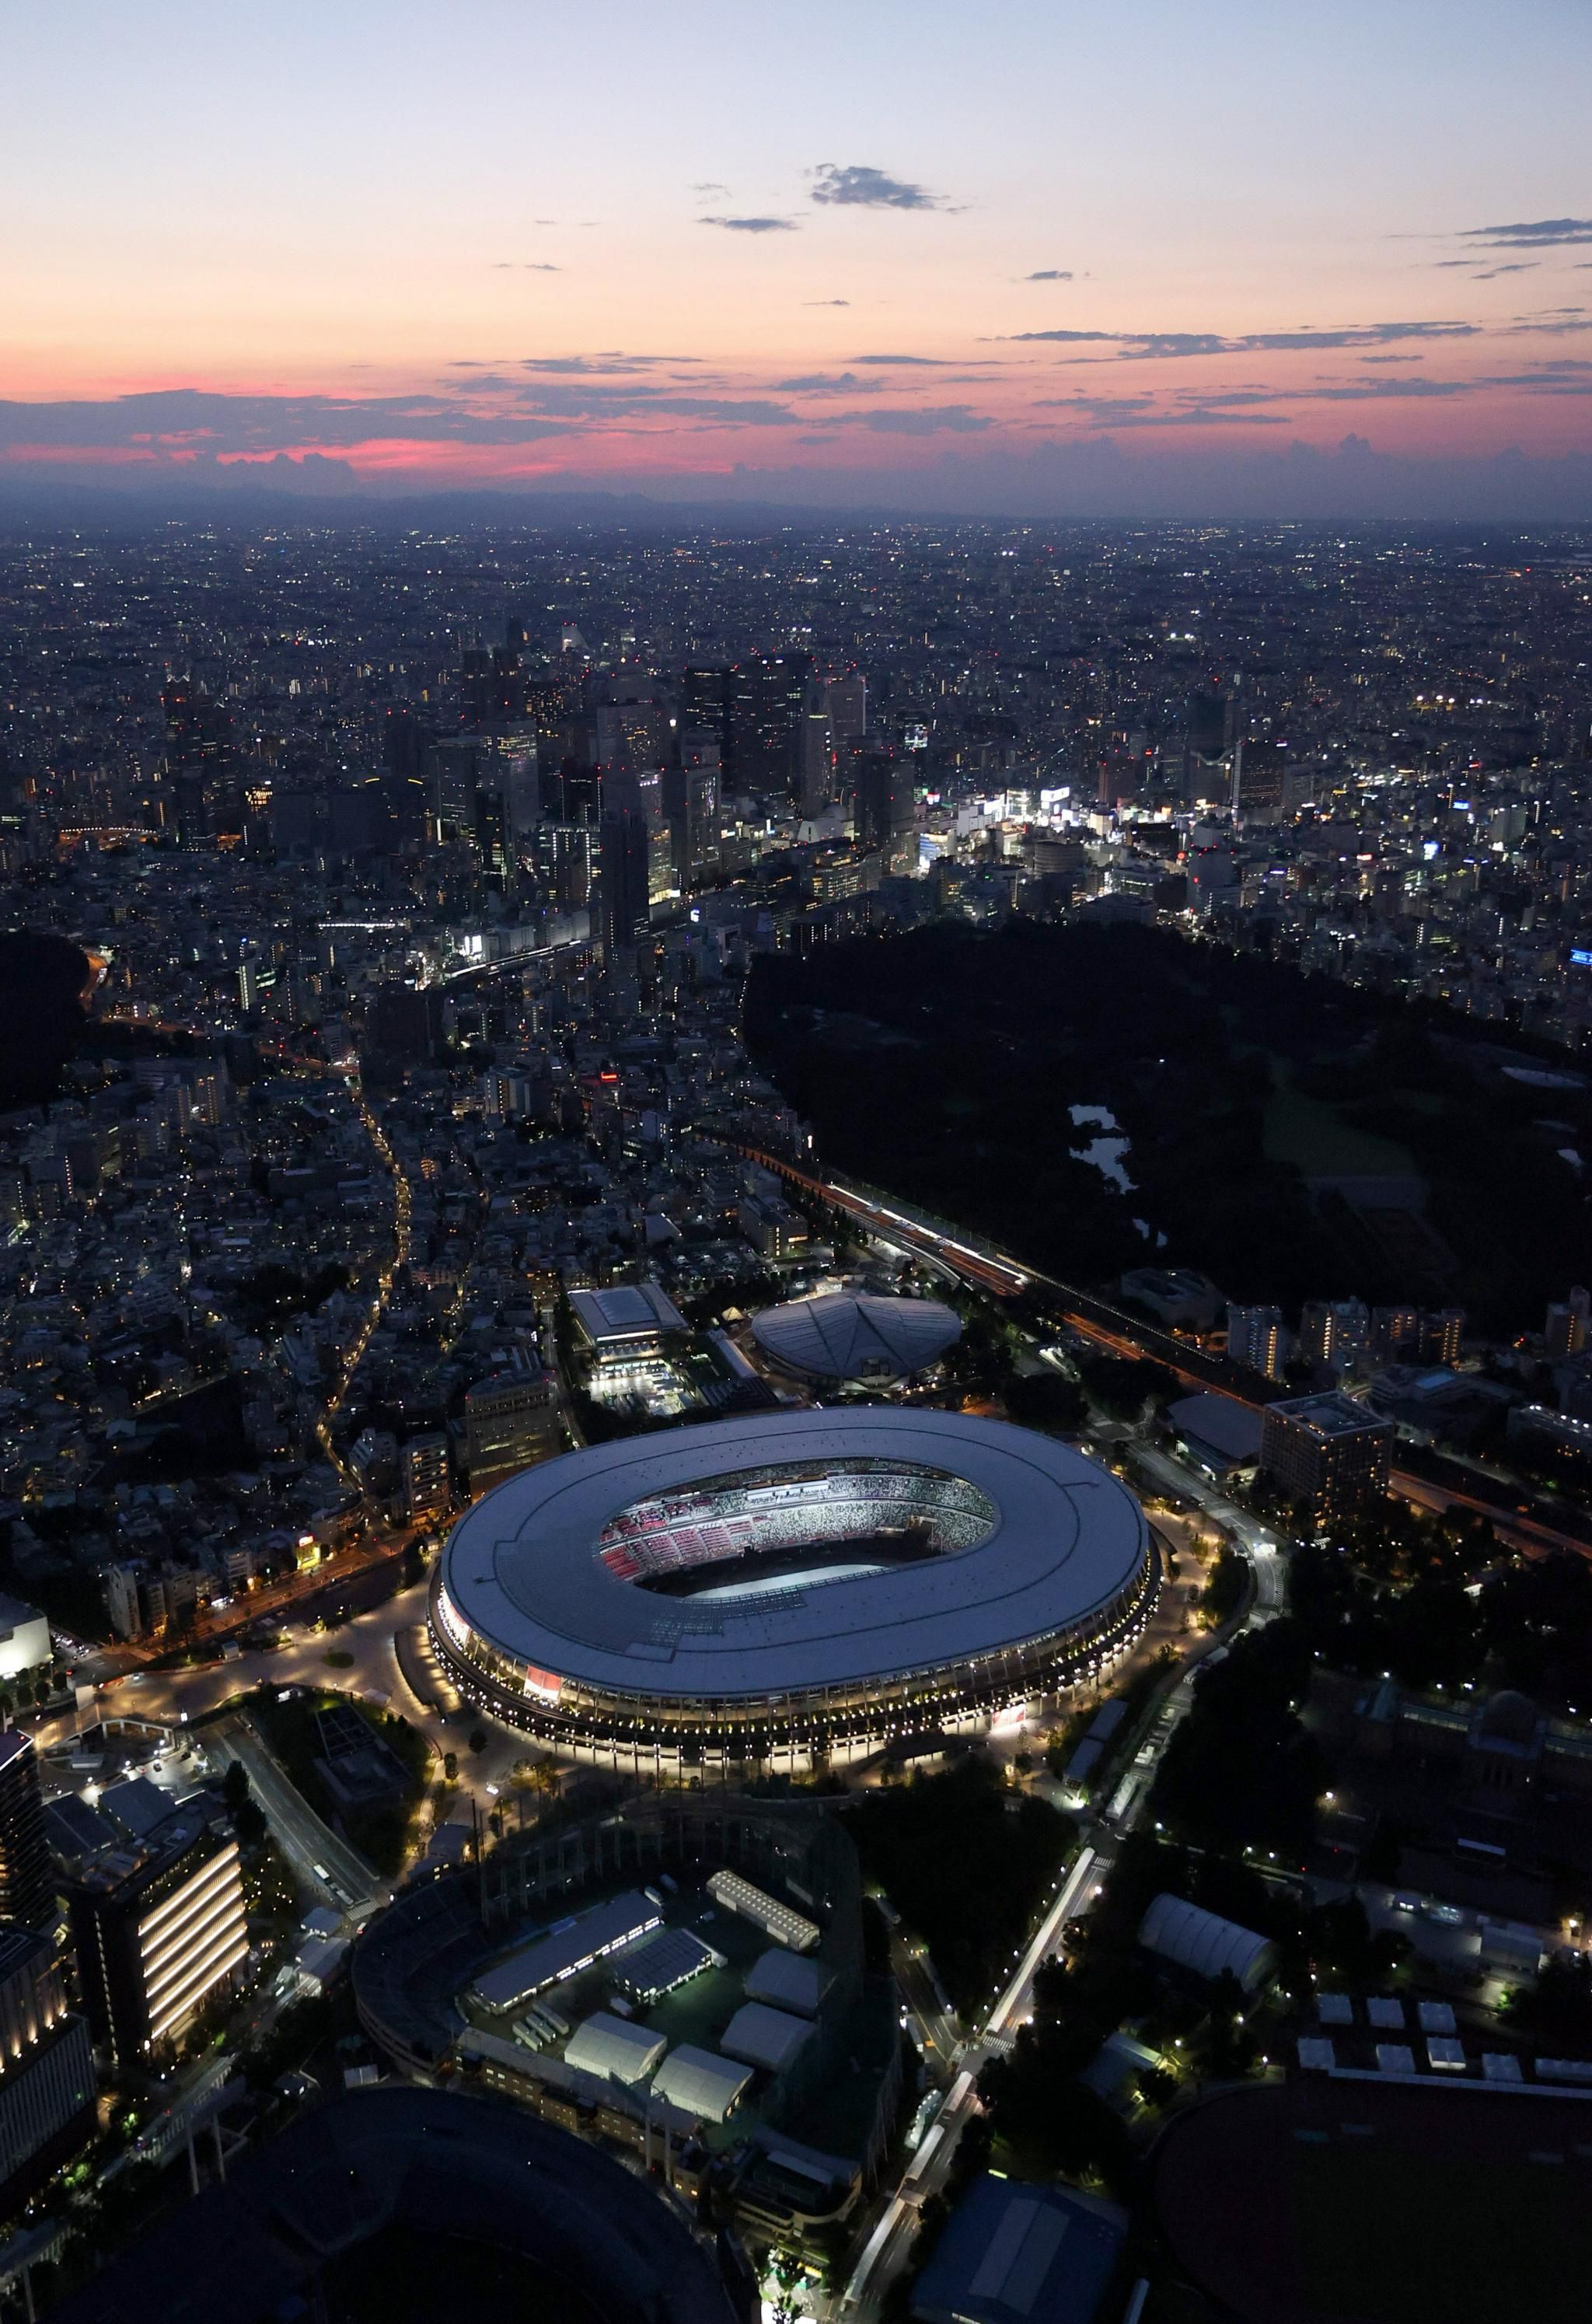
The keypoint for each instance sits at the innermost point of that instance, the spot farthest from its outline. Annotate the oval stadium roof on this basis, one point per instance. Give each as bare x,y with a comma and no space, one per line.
524,1567
862,1338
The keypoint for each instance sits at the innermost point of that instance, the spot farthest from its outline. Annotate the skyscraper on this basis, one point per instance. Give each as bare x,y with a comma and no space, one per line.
27,1889
157,1927
846,700
47,2097
704,701
691,806
885,806
815,755
1209,731
626,843
1259,766
768,693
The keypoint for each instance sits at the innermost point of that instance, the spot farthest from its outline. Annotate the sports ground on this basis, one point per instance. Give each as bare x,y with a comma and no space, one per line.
1327,2202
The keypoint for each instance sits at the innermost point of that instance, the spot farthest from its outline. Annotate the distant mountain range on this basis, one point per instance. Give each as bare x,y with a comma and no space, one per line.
1093,480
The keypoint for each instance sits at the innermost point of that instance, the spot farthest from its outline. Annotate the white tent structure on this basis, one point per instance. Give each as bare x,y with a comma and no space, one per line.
793,1981
606,2046
1205,1944
764,2036
701,2083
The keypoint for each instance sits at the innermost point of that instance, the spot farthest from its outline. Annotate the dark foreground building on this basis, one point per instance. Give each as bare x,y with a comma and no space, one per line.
409,2191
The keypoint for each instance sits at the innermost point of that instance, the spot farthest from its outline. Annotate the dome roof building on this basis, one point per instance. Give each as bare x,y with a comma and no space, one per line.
860,1339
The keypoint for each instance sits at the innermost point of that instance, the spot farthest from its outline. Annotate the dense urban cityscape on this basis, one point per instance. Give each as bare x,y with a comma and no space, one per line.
658,1481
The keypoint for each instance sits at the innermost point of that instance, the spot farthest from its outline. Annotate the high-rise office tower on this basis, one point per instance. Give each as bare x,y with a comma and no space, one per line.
410,1021
452,764
635,721
846,700
1210,732
206,800
626,871
815,755
565,855
704,702
885,807
47,2094
767,695
158,1926
475,686
27,1888
1260,765
406,741
506,692
199,730
691,806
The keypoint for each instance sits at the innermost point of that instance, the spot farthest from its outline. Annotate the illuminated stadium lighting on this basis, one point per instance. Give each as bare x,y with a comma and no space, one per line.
774,1588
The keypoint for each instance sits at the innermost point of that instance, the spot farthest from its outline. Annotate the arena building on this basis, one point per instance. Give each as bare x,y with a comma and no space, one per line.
786,1590
859,1340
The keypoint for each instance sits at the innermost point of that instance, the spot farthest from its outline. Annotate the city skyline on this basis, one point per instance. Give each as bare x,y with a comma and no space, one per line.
1225,261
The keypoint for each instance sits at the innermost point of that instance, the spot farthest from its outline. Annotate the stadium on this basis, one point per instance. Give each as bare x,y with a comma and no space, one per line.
790,1588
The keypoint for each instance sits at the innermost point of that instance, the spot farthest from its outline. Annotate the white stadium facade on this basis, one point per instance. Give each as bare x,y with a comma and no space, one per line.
788,1590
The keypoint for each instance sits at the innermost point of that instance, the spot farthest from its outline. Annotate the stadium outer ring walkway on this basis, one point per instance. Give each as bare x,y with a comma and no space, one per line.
531,1625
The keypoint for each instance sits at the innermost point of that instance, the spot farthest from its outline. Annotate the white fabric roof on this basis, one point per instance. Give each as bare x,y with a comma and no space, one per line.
763,2036
790,1980
1204,1943
606,2046
700,2083
845,1337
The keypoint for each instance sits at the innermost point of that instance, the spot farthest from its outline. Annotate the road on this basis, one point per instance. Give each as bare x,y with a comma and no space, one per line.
373,1671
317,1855
888,2246
179,1697
936,2025
1239,1524
400,1248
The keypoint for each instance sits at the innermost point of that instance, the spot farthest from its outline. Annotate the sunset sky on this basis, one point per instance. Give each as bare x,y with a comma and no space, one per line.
835,254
